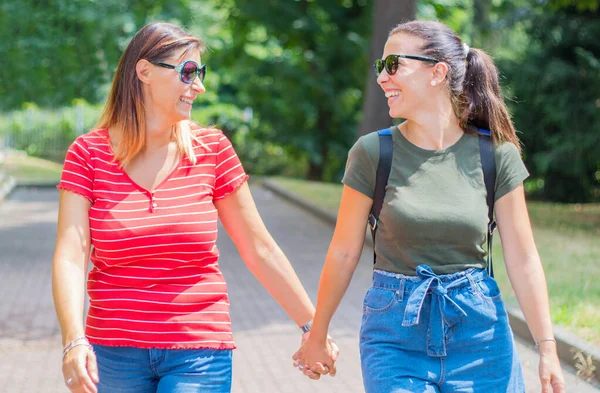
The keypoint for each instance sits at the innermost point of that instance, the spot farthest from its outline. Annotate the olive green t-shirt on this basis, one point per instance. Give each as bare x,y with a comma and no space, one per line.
434,211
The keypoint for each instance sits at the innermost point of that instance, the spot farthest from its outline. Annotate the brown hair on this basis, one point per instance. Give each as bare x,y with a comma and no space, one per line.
472,79
124,108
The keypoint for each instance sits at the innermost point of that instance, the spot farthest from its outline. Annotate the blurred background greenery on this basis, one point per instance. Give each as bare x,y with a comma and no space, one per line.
291,82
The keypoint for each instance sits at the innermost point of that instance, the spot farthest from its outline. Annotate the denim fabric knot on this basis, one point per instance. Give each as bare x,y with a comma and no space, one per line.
438,289
444,310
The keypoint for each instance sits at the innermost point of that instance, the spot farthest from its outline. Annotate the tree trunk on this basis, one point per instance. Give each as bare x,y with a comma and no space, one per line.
386,15
317,170
481,23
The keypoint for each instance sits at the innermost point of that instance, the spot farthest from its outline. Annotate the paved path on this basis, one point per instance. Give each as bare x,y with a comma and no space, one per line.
266,338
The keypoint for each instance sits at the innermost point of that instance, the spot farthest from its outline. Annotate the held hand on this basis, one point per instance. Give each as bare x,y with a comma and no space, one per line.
315,359
335,351
80,370
551,375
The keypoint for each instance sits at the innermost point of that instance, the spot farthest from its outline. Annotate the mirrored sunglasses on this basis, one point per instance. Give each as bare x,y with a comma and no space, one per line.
188,70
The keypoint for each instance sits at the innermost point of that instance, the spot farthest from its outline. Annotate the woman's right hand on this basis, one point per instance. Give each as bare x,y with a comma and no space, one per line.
80,370
550,371
312,365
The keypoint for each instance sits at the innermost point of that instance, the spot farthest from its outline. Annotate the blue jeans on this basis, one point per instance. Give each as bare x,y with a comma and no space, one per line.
437,334
129,370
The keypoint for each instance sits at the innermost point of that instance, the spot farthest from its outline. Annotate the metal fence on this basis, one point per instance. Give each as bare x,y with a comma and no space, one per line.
45,133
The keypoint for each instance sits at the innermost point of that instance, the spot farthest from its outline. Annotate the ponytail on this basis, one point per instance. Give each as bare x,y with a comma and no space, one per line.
482,102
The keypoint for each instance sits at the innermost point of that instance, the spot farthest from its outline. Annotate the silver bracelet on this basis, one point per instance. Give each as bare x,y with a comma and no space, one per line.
538,342
75,343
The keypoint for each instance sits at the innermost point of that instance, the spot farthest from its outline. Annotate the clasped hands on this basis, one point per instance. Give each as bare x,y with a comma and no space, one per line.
316,357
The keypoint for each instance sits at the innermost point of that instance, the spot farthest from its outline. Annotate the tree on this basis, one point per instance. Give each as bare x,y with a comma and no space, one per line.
299,66
57,50
556,88
386,15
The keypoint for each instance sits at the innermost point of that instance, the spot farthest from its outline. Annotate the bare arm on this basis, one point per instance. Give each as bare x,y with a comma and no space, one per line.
262,255
69,268
527,277
342,258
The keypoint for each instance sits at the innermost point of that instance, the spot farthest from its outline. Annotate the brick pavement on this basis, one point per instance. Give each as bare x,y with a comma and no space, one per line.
29,333
266,337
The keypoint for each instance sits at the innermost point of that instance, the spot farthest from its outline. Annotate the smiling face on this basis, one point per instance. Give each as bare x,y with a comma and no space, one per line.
409,89
166,93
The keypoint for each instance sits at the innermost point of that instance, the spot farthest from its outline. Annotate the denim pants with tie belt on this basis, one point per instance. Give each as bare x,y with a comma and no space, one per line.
437,334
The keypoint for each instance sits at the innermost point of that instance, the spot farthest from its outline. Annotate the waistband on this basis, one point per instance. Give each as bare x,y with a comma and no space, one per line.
389,280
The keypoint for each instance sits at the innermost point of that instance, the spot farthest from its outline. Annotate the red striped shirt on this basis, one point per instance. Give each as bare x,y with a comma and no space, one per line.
156,281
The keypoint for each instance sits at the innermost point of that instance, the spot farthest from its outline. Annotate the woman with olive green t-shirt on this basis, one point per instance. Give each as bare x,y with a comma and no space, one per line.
434,320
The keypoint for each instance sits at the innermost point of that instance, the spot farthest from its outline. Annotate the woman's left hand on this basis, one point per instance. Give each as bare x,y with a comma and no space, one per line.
551,375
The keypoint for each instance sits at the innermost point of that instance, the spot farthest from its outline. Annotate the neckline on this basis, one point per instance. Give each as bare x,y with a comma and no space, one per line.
133,182
405,142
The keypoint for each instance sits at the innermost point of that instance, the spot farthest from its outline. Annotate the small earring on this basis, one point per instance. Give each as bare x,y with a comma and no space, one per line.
433,83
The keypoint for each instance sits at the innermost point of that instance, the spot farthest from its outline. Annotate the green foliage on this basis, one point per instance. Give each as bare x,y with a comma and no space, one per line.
56,50
259,157
558,107
494,26
457,14
581,5
300,66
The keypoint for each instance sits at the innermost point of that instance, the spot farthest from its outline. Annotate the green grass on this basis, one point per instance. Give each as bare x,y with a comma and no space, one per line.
327,195
567,238
31,170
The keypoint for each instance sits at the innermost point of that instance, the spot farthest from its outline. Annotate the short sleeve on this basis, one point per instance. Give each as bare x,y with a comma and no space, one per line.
77,174
361,165
229,172
510,169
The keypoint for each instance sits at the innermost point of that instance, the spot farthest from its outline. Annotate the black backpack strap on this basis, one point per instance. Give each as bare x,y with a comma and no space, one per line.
384,166
488,164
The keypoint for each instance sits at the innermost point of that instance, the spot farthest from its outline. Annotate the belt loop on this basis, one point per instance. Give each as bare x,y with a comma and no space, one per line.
472,282
400,291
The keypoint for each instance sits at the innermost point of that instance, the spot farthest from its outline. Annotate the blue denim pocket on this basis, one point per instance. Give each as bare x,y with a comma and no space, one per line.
379,300
487,289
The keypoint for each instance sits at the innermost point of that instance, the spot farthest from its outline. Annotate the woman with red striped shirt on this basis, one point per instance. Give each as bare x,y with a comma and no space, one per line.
140,197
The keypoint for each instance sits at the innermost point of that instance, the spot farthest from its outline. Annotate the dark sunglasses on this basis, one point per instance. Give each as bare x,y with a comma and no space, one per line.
188,70
390,63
